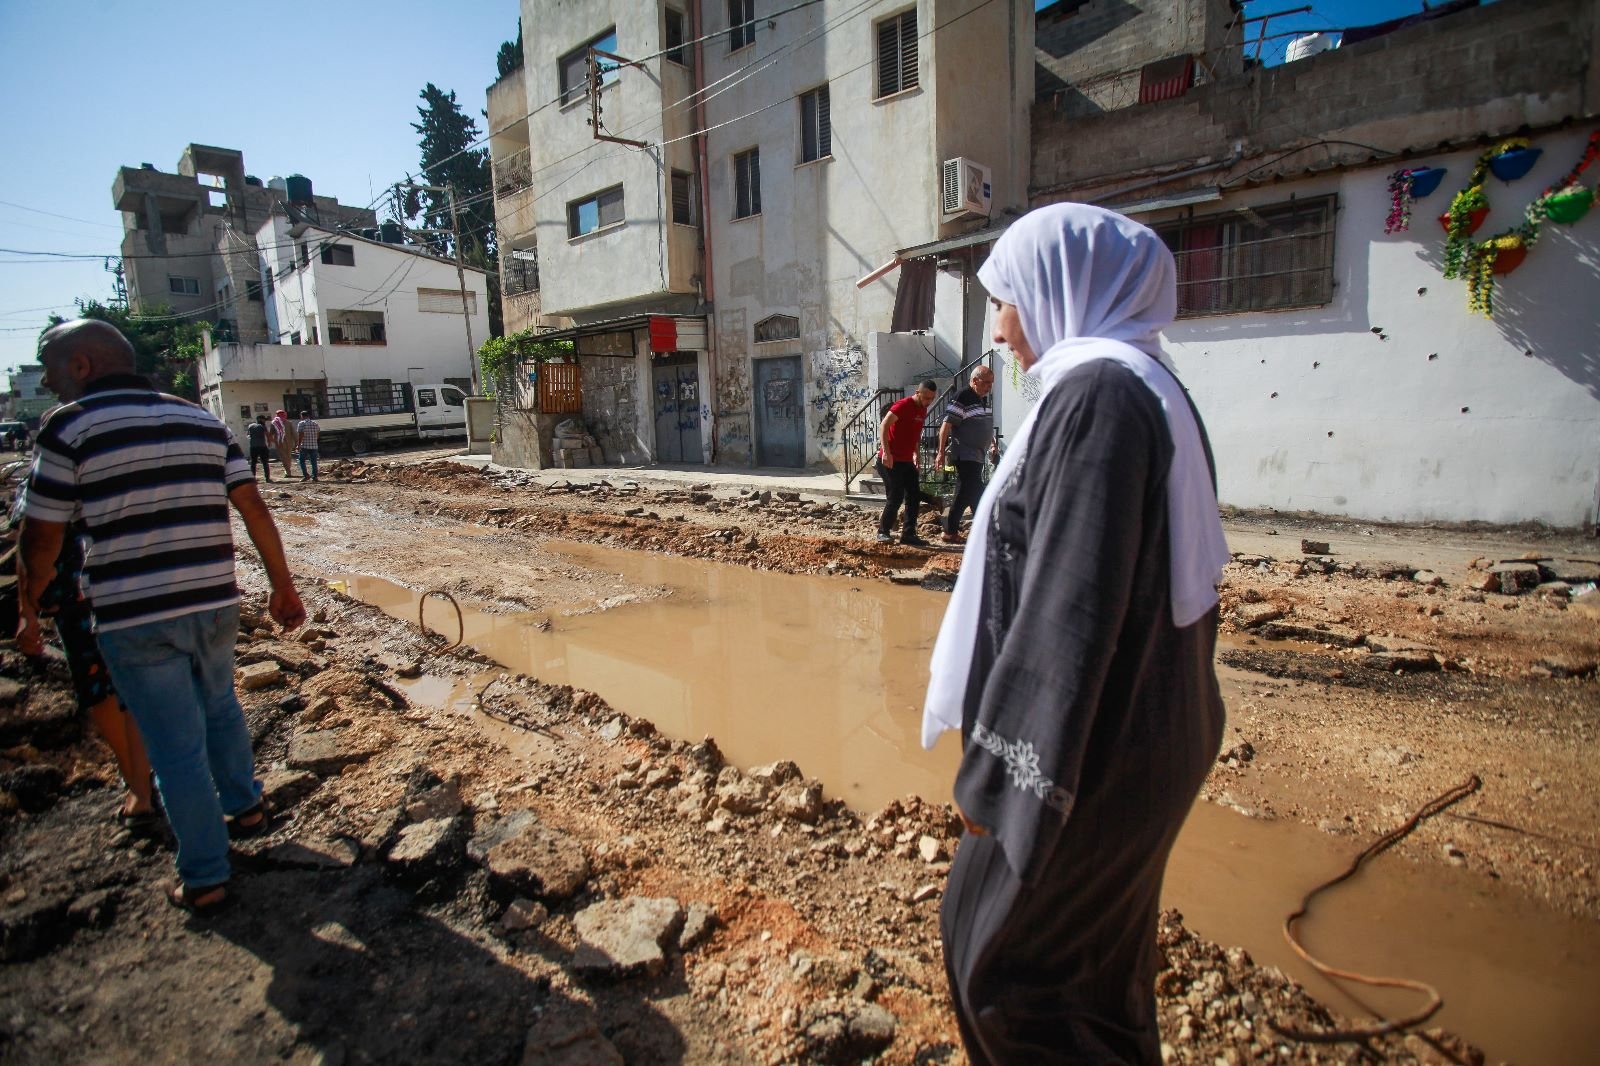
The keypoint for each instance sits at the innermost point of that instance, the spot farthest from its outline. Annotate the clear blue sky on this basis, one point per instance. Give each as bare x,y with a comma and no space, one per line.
328,91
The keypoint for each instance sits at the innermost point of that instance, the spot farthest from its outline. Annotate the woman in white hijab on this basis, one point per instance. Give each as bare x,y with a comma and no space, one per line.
1076,654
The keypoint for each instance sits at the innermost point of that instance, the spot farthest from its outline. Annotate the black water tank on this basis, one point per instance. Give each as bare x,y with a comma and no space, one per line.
299,188
251,179
392,234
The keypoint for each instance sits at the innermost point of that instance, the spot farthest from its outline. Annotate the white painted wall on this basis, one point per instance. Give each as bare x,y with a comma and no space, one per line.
1454,417
421,345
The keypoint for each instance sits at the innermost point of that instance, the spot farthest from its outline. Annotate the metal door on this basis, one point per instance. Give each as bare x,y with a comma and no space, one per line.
676,386
780,412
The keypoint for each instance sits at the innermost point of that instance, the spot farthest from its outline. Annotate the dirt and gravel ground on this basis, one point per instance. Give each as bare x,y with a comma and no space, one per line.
544,879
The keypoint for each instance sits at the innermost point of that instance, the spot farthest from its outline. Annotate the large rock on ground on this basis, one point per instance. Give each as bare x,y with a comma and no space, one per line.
800,802
848,1034
327,751
525,855
742,795
1516,577
427,846
620,937
1313,633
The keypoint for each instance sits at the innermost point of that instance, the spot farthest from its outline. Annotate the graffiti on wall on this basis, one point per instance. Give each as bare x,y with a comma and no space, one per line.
839,389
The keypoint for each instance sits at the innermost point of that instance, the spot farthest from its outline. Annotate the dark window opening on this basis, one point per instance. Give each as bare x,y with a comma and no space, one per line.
1255,259
747,183
741,24
339,255
816,125
675,37
683,204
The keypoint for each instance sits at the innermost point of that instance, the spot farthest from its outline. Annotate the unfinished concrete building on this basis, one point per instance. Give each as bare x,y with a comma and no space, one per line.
188,238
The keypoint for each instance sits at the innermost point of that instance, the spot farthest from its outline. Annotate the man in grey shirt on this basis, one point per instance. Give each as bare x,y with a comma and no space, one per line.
969,422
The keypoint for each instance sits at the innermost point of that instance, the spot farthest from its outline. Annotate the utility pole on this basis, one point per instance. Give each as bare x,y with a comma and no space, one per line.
461,274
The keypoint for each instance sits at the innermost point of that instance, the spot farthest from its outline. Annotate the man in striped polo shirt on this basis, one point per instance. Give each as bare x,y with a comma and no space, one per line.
150,478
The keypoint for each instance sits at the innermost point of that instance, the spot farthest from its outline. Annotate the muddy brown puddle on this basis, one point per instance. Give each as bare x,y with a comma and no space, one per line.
830,673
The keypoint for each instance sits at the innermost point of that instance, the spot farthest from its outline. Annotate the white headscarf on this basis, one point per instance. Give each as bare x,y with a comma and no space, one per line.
1087,284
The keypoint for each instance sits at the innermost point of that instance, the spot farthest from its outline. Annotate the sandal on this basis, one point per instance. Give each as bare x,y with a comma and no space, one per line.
240,829
190,898
140,821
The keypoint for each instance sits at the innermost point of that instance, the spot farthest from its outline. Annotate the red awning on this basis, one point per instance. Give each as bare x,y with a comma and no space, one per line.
663,334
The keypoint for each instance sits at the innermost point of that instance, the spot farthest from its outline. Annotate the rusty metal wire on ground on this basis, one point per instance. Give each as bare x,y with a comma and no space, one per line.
461,625
1435,1001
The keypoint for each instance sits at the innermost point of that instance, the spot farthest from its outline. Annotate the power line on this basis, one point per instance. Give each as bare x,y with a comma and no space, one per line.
52,214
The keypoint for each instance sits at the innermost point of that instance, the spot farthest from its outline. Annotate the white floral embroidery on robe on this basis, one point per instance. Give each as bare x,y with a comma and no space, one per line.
1022,764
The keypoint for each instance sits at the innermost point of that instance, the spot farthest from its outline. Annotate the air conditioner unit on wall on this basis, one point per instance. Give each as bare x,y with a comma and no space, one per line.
965,189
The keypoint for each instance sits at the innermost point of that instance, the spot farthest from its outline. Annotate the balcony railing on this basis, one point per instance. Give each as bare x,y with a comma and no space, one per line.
356,333
521,275
512,174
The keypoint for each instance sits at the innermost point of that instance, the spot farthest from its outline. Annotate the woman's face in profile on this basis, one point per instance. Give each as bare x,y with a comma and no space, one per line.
1008,331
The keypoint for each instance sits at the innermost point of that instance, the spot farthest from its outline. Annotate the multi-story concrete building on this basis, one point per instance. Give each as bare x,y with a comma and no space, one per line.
342,309
29,398
717,284
188,237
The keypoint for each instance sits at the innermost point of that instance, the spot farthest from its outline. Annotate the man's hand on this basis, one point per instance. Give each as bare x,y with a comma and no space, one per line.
888,460
30,636
286,609
938,459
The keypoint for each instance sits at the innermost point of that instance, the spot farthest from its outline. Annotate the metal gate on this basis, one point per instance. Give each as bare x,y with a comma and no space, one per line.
780,412
676,382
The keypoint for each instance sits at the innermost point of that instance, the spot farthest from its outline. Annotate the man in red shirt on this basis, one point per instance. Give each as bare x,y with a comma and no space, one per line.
899,434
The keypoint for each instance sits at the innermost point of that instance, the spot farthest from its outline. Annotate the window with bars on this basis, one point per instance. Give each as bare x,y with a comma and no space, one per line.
897,53
1254,259
816,125
573,68
683,202
741,24
747,183
602,209
675,37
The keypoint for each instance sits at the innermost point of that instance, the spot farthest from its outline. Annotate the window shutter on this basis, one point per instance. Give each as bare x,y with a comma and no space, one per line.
741,183
908,50
611,208
808,128
824,123
888,57
755,181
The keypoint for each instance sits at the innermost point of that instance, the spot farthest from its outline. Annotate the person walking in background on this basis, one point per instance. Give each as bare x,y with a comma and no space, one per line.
150,478
898,437
969,422
1075,655
281,436
258,433
306,432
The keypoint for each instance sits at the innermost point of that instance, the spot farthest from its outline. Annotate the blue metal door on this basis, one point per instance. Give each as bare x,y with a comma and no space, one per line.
780,412
676,403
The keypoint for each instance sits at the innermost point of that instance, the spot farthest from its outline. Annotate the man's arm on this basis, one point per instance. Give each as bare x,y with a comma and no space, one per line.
944,442
284,604
883,438
38,548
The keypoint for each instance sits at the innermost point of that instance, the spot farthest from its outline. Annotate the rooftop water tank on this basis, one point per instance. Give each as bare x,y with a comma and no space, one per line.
279,184
392,233
1309,45
299,189
251,179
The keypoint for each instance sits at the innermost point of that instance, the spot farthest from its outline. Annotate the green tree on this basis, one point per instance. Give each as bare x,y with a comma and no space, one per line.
165,347
448,160
510,57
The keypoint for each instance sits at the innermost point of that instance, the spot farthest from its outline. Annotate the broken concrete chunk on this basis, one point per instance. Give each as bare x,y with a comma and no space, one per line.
327,751
284,788
1482,581
778,773
1515,577
1250,615
260,675
1572,571
523,914
621,937
427,846
523,854
742,795
698,922
1427,577
441,801
1314,547
930,848
1314,633
800,802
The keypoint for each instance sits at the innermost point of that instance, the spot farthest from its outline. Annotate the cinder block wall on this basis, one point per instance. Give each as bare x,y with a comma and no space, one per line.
1487,71
611,407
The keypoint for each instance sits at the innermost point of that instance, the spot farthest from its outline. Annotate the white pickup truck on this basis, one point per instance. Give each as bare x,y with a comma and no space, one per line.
354,419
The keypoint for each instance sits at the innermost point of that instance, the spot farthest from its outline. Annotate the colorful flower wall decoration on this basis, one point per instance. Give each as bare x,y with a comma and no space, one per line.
1406,186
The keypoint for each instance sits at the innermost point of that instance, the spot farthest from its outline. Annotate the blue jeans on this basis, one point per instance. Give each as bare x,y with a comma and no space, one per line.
308,453
176,677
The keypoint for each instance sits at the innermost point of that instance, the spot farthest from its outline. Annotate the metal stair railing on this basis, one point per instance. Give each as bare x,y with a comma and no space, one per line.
934,481
860,434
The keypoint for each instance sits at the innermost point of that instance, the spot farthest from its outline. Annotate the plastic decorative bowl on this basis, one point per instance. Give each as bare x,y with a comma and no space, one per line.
1570,204
1508,259
1474,220
1425,181
1509,166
